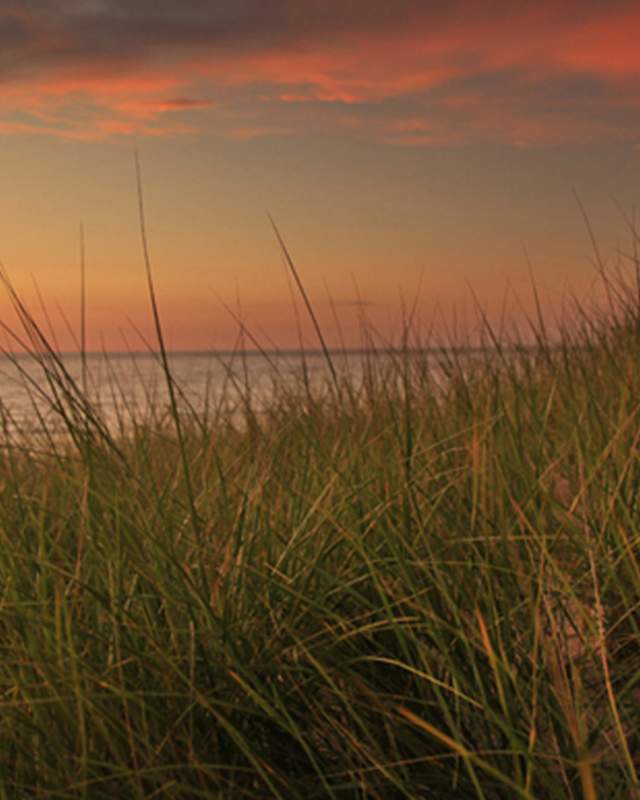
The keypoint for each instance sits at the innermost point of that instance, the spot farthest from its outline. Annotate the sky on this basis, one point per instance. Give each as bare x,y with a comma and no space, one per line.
419,150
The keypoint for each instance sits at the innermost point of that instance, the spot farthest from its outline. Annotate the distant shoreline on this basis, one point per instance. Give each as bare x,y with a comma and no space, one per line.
290,353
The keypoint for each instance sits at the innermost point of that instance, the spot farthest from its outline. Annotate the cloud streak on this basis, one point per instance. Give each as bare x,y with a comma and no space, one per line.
412,72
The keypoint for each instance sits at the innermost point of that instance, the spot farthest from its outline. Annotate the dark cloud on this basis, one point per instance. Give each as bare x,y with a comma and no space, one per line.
13,33
44,33
179,104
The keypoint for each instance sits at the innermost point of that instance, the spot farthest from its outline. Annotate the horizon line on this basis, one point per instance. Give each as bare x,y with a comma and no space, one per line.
271,352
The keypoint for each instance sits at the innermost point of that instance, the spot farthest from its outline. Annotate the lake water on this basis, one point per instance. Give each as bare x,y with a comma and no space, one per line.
131,386
126,386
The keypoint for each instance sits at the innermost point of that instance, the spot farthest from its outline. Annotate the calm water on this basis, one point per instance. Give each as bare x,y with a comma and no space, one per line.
126,386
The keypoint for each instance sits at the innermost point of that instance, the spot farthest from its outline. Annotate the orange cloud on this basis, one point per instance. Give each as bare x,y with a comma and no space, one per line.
607,46
145,108
531,72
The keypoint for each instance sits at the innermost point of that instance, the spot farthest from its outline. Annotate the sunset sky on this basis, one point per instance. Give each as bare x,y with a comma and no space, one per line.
396,144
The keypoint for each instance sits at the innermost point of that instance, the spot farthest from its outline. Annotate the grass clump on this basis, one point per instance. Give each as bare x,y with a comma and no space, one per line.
421,583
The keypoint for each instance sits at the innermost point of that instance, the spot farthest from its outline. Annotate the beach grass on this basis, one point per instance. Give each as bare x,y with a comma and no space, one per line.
423,582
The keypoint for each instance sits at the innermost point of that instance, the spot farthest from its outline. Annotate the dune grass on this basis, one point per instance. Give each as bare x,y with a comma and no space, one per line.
422,583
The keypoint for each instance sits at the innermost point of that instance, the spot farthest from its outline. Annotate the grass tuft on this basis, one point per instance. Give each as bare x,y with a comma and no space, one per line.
417,578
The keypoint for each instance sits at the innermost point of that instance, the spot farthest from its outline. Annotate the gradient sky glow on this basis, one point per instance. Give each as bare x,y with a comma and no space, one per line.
393,143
